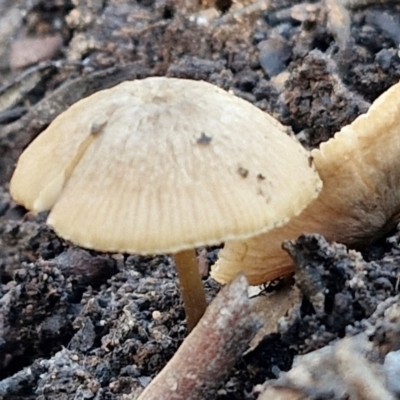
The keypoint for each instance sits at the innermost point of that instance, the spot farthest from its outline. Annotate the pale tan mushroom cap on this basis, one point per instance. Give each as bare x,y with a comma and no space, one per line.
359,201
161,165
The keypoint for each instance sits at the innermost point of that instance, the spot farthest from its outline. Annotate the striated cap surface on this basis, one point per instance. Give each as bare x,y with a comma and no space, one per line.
161,165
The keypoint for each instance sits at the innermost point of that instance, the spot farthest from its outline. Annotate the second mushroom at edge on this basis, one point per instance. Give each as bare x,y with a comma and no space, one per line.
359,201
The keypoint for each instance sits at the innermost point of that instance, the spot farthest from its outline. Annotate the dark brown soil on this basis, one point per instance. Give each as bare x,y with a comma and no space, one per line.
76,324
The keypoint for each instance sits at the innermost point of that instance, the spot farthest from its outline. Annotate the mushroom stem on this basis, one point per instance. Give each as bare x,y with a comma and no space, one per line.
193,294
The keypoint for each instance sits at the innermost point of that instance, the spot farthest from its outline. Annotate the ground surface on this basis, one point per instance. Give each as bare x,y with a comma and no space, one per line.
96,326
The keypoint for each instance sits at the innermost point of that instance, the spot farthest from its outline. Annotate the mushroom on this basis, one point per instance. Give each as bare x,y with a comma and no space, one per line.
359,201
164,165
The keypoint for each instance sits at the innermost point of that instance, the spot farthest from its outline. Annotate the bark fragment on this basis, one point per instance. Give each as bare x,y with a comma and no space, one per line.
204,359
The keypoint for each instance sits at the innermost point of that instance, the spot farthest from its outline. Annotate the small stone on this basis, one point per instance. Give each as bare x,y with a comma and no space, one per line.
156,315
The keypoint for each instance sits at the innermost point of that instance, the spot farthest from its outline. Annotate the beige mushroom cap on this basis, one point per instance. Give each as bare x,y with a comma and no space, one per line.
359,201
160,165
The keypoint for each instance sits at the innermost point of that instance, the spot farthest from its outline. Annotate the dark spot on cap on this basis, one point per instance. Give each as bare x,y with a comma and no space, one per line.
204,139
243,172
97,128
260,177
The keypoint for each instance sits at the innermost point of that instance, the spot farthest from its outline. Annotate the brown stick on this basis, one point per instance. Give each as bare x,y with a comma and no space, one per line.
204,359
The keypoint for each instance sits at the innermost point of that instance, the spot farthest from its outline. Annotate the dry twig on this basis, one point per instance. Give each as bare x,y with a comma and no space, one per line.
204,359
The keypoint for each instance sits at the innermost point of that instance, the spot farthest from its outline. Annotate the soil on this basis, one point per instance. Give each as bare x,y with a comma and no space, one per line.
77,324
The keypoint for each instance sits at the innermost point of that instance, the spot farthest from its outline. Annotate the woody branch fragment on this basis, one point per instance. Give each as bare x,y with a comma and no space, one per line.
205,358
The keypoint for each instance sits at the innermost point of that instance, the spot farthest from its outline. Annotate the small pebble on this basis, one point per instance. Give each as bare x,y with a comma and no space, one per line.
156,315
